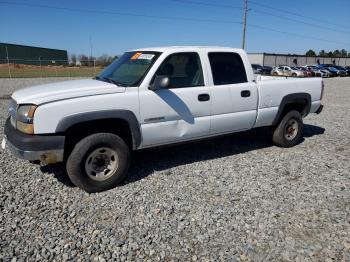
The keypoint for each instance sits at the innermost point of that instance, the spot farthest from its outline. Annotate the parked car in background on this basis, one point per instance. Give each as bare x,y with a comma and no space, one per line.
257,69
317,71
306,71
331,73
287,71
267,70
337,72
341,68
333,70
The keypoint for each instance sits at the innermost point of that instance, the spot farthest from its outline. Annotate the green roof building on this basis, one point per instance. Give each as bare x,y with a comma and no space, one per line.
30,55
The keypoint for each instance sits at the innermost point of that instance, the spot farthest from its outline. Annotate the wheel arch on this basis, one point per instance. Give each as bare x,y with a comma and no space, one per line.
297,101
115,121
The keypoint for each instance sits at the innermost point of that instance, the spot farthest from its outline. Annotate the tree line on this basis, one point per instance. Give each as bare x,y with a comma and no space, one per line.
84,60
335,53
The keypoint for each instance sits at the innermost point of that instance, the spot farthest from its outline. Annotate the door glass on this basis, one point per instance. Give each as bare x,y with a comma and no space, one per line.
183,70
227,68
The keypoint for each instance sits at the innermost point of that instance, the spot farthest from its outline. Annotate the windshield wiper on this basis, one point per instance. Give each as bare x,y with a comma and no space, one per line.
110,80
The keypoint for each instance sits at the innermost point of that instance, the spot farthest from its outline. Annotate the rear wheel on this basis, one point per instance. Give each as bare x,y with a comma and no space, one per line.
294,75
98,162
288,131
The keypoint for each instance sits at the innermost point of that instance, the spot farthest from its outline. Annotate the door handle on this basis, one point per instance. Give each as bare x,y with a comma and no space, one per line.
245,93
203,97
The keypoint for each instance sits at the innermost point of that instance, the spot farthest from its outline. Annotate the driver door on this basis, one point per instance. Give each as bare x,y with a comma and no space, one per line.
182,111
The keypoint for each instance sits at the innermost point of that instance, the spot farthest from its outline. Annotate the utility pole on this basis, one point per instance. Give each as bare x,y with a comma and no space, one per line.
244,22
8,61
93,60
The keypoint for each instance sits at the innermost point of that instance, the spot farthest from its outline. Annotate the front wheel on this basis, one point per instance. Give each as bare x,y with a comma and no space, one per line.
288,131
98,162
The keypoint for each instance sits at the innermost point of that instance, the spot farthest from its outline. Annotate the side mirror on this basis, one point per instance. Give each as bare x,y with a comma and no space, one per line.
160,82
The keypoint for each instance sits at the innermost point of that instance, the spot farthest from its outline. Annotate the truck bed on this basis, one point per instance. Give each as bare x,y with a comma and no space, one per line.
272,89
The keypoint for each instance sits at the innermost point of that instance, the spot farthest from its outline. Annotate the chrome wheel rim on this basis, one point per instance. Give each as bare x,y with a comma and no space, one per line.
101,164
291,129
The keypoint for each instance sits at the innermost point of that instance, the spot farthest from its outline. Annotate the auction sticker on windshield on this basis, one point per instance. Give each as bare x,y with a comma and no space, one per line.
140,56
146,56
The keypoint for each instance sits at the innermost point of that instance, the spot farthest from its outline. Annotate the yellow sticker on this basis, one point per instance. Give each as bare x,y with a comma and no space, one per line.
135,56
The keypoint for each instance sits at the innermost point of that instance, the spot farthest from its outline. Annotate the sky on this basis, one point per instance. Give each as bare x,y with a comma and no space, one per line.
117,26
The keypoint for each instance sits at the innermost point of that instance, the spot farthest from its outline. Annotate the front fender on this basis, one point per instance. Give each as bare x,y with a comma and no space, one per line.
126,115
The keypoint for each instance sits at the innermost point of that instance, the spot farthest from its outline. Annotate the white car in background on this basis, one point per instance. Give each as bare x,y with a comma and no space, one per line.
287,71
318,72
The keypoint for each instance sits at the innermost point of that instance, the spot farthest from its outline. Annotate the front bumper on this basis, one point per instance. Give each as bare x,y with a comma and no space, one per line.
319,110
48,149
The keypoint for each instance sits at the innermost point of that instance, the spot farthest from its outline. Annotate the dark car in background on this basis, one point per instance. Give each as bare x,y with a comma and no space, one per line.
333,70
341,68
257,69
267,70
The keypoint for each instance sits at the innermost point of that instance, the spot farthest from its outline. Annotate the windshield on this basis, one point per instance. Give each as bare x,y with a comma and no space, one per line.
129,69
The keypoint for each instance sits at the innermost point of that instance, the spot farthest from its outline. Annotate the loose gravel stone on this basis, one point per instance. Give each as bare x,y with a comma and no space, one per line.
235,198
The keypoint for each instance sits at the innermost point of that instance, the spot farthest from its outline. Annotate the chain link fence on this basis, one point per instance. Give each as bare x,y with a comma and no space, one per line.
21,68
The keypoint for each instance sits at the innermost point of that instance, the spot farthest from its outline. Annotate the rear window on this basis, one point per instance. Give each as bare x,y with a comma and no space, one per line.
227,68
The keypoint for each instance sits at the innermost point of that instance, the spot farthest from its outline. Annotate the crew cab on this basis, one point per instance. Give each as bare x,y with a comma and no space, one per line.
148,98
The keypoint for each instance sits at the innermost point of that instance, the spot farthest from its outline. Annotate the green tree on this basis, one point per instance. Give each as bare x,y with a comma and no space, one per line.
330,54
310,53
343,53
336,53
322,53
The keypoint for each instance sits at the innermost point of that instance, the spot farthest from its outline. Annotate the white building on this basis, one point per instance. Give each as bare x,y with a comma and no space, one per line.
269,59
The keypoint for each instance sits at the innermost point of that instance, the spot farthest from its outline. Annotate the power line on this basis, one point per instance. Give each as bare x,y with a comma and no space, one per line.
301,22
118,13
163,18
295,14
206,4
295,34
265,13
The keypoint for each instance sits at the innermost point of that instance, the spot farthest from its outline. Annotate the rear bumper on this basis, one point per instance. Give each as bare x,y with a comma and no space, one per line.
45,148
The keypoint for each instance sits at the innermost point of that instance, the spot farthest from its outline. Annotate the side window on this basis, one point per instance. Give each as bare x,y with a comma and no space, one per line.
227,68
183,69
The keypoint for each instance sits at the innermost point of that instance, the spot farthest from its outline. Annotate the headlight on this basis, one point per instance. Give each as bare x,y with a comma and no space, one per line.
24,117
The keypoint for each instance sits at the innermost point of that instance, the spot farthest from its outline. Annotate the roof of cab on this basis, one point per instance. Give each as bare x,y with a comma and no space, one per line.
172,48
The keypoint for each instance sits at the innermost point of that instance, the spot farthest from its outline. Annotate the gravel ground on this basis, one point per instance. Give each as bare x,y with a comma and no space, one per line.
236,198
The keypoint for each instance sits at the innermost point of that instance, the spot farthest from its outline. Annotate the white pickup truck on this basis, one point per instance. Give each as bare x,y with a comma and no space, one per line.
148,98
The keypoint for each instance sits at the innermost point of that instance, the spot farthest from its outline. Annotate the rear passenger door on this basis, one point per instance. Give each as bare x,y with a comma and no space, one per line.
234,99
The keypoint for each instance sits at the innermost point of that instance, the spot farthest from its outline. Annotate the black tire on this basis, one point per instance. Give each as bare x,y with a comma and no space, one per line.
77,161
274,73
294,75
283,135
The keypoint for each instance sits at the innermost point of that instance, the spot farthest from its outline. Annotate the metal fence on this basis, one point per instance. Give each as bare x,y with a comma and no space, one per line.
20,68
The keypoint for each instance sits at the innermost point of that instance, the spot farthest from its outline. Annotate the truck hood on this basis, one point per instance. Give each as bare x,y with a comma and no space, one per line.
64,90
